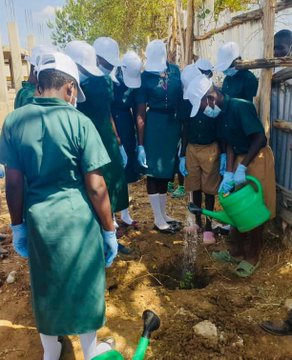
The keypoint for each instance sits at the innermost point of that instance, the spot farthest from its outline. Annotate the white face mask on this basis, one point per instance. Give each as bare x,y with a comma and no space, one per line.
104,70
74,102
212,113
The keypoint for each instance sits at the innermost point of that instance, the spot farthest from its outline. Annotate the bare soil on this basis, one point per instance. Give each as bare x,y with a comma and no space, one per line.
150,278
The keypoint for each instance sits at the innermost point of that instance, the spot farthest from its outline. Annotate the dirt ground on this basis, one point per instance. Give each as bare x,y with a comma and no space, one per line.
150,278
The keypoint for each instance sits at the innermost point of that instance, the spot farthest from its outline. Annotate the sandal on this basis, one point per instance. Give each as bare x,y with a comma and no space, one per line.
224,256
176,225
169,230
244,269
133,226
209,238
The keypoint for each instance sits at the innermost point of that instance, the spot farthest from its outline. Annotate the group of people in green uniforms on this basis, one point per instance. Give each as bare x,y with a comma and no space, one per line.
86,125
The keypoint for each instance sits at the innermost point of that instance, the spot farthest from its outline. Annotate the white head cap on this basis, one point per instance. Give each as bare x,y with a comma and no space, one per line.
156,57
196,90
38,51
61,62
108,49
131,68
225,56
187,75
83,54
204,64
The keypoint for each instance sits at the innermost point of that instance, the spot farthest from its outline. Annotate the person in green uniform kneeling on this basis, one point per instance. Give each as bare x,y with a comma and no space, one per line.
68,235
240,130
159,129
241,84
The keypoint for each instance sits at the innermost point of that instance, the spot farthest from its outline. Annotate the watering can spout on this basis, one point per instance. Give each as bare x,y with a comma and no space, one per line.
218,215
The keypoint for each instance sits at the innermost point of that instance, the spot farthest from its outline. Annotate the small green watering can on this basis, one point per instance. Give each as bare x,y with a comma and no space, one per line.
243,209
151,323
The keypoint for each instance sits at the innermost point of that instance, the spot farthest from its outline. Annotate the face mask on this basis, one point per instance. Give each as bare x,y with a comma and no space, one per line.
104,70
82,77
212,113
230,72
74,98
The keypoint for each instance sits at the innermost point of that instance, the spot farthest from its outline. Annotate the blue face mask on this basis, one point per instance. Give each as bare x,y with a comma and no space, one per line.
230,72
212,113
104,70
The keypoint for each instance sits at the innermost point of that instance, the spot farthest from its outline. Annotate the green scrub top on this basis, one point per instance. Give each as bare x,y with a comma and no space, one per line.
243,85
162,93
201,129
24,95
55,145
99,96
236,122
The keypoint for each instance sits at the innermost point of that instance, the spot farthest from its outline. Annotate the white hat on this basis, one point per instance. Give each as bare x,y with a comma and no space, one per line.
83,54
187,75
204,64
225,56
131,68
196,90
38,51
156,56
108,49
61,62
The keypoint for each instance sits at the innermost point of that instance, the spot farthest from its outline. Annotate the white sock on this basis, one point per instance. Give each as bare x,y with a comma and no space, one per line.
89,346
52,347
159,220
125,216
116,225
162,199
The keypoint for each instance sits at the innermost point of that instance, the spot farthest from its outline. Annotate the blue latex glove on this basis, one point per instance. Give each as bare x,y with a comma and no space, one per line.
142,156
123,155
223,161
182,166
239,175
19,240
227,183
110,246
2,171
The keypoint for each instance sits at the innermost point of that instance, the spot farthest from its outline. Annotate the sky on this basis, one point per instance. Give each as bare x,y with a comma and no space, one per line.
31,17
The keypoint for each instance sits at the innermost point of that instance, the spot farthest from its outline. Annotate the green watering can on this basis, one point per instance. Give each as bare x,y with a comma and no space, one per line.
243,209
151,323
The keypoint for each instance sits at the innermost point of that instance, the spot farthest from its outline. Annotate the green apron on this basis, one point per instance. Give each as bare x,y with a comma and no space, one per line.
99,96
24,95
54,145
162,132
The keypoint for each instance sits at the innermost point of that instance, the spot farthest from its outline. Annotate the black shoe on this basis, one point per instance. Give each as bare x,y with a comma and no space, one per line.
170,230
176,225
124,250
283,329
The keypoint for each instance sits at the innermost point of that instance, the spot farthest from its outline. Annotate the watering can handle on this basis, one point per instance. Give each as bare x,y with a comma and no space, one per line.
257,182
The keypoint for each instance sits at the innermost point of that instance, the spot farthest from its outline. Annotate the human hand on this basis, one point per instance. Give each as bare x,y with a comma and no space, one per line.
227,184
182,166
19,239
223,161
123,155
142,156
110,246
239,175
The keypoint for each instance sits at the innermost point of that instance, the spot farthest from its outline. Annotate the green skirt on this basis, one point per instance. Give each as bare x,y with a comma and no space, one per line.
161,137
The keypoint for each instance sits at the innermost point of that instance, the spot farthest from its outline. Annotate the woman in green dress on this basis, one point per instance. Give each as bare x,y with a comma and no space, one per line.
98,89
68,235
159,129
123,111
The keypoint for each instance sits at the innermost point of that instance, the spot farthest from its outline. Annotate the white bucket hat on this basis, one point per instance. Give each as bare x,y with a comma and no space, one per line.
204,64
38,51
108,49
187,75
225,55
196,90
61,62
156,58
83,54
131,68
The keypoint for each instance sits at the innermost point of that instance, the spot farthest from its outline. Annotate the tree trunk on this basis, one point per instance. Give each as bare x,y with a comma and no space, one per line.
189,33
266,74
264,63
